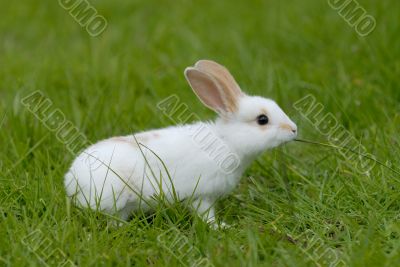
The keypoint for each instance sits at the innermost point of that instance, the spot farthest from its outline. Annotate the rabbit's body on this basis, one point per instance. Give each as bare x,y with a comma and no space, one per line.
201,161
117,169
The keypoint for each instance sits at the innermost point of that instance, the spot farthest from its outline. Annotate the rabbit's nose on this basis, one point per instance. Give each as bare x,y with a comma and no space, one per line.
293,126
294,129
290,127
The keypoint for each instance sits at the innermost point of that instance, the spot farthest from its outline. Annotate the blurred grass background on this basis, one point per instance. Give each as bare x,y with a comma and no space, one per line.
110,85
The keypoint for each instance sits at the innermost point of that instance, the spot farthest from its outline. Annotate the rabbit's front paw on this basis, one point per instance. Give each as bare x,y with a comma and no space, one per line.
219,226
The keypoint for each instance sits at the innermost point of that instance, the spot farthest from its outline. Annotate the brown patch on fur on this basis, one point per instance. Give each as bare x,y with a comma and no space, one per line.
140,138
124,139
265,127
130,139
263,111
119,139
285,126
147,136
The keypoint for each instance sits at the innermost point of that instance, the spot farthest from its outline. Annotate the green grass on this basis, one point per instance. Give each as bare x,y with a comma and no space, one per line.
110,85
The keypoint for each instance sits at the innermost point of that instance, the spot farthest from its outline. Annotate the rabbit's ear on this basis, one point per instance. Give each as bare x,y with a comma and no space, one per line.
223,76
210,91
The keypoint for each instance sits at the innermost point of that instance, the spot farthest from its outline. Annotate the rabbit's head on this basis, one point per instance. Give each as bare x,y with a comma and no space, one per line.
251,124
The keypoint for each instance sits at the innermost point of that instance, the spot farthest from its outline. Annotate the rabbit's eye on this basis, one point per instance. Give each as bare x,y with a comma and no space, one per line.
262,119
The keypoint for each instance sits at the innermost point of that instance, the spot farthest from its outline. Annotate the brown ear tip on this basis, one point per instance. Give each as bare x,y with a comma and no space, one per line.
188,70
204,61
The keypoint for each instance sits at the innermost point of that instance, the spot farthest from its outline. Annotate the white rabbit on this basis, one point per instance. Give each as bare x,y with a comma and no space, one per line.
123,174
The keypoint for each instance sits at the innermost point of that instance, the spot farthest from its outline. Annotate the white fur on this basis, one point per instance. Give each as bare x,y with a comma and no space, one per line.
120,176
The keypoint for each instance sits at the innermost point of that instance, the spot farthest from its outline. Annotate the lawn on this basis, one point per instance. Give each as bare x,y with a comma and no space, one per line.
297,205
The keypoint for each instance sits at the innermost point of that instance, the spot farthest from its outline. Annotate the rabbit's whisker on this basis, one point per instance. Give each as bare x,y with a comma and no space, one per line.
351,150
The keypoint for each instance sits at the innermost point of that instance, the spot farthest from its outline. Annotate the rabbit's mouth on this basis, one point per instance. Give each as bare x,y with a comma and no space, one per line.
287,136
